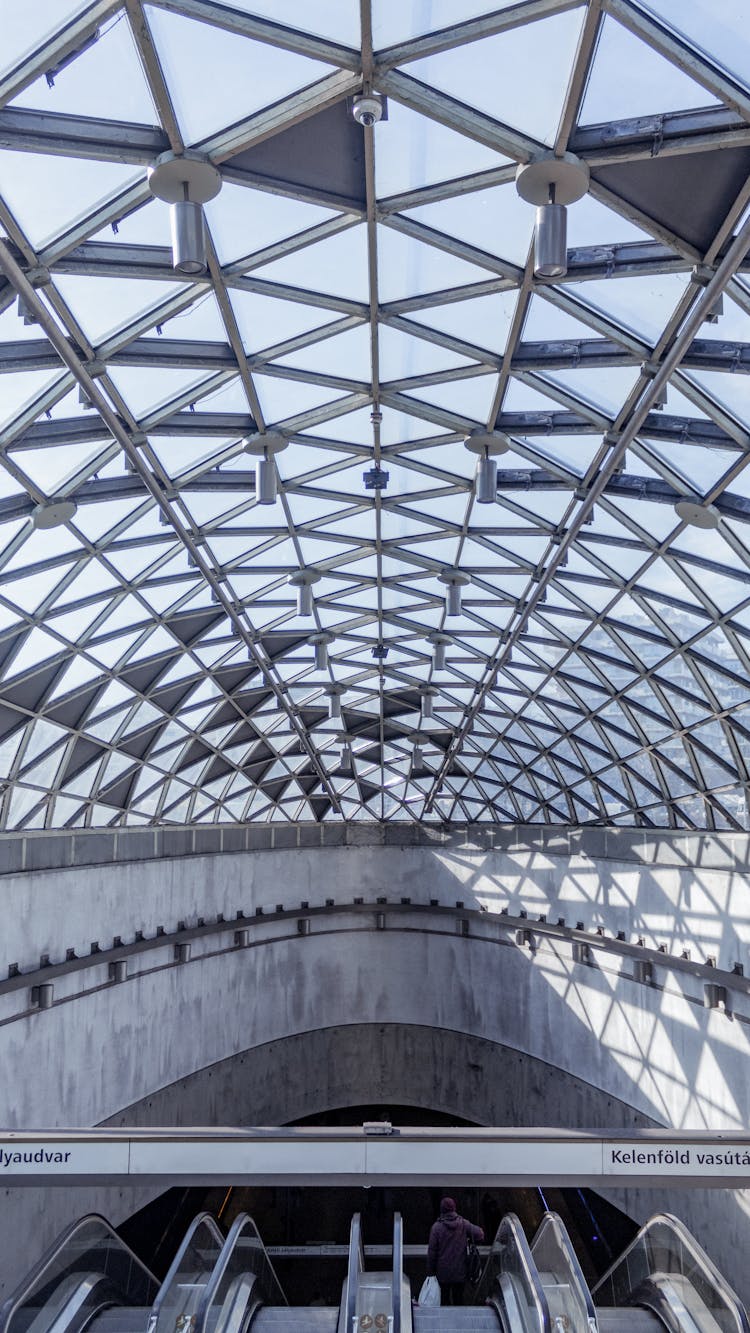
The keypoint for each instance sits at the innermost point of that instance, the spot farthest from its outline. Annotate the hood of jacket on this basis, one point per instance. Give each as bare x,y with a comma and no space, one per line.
450,1220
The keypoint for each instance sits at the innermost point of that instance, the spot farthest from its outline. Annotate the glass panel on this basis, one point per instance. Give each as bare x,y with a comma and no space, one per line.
666,1269
88,1268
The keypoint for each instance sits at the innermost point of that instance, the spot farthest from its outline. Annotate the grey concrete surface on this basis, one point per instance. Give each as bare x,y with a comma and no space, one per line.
647,887
656,1052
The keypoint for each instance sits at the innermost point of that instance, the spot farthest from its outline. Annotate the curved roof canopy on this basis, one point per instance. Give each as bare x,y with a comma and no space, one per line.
370,298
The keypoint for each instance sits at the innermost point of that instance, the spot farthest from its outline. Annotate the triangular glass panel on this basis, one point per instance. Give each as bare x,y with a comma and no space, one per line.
416,152
483,321
105,80
265,321
658,87
346,354
496,220
535,60
103,304
252,74
47,193
408,267
337,265
243,221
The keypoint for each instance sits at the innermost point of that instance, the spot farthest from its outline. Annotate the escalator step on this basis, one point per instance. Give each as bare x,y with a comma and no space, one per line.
121,1319
627,1319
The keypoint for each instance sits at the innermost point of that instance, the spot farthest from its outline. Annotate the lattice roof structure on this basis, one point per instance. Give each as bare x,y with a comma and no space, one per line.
370,295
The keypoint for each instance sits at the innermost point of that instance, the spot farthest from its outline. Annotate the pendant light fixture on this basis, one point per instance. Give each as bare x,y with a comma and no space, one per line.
334,694
303,581
487,444
551,183
455,580
440,645
320,643
265,446
186,182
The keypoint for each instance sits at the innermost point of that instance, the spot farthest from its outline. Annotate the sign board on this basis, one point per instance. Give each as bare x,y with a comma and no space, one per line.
408,1157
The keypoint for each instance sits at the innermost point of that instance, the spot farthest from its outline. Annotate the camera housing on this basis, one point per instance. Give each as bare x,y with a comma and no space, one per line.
367,109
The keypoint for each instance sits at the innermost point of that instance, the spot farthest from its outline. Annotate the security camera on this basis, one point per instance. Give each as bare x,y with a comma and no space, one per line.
368,109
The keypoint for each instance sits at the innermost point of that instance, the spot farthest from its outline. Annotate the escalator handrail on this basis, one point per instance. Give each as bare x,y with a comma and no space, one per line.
241,1223
561,1231
32,1279
202,1219
702,1262
398,1270
510,1223
355,1266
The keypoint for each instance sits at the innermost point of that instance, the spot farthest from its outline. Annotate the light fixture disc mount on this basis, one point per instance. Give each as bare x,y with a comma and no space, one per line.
170,173
569,175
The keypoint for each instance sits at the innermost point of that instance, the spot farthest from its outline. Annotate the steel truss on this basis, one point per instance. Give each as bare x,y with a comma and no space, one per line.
154,667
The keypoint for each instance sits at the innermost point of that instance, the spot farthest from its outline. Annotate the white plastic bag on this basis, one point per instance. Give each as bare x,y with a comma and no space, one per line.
430,1292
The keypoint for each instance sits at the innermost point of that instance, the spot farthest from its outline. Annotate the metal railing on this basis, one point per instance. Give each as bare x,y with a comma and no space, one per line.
192,1266
243,1273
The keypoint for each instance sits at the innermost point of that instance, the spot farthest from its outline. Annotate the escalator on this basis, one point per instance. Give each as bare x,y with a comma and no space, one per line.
91,1282
88,1275
664,1276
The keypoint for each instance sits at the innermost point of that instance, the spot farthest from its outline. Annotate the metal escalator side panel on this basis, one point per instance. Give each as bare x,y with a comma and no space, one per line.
567,1291
89,1245
238,1305
514,1281
355,1266
401,1286
188,1274
243,1258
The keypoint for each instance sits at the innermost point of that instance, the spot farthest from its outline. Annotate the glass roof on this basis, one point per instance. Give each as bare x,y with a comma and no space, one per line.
371,297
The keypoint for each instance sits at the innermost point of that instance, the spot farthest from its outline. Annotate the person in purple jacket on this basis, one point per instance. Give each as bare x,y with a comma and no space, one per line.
446,1252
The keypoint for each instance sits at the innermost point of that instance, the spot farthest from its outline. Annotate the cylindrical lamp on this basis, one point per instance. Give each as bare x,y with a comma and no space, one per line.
551,241
486,481
304,599
334,693
428,702
265,446
266,481
188,237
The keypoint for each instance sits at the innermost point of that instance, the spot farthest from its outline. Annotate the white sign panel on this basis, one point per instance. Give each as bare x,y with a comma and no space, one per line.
261,1157
33,1158
466,1160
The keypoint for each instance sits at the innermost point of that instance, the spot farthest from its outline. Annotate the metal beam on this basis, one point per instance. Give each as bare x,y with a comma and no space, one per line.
62,135
707,129
591,353
471,30
303,43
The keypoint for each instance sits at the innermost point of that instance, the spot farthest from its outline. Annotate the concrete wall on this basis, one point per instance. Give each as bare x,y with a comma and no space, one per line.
570,1041
677,890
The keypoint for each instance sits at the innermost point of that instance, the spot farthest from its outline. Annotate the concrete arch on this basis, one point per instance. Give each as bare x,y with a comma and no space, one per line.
656,1050
650,1053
